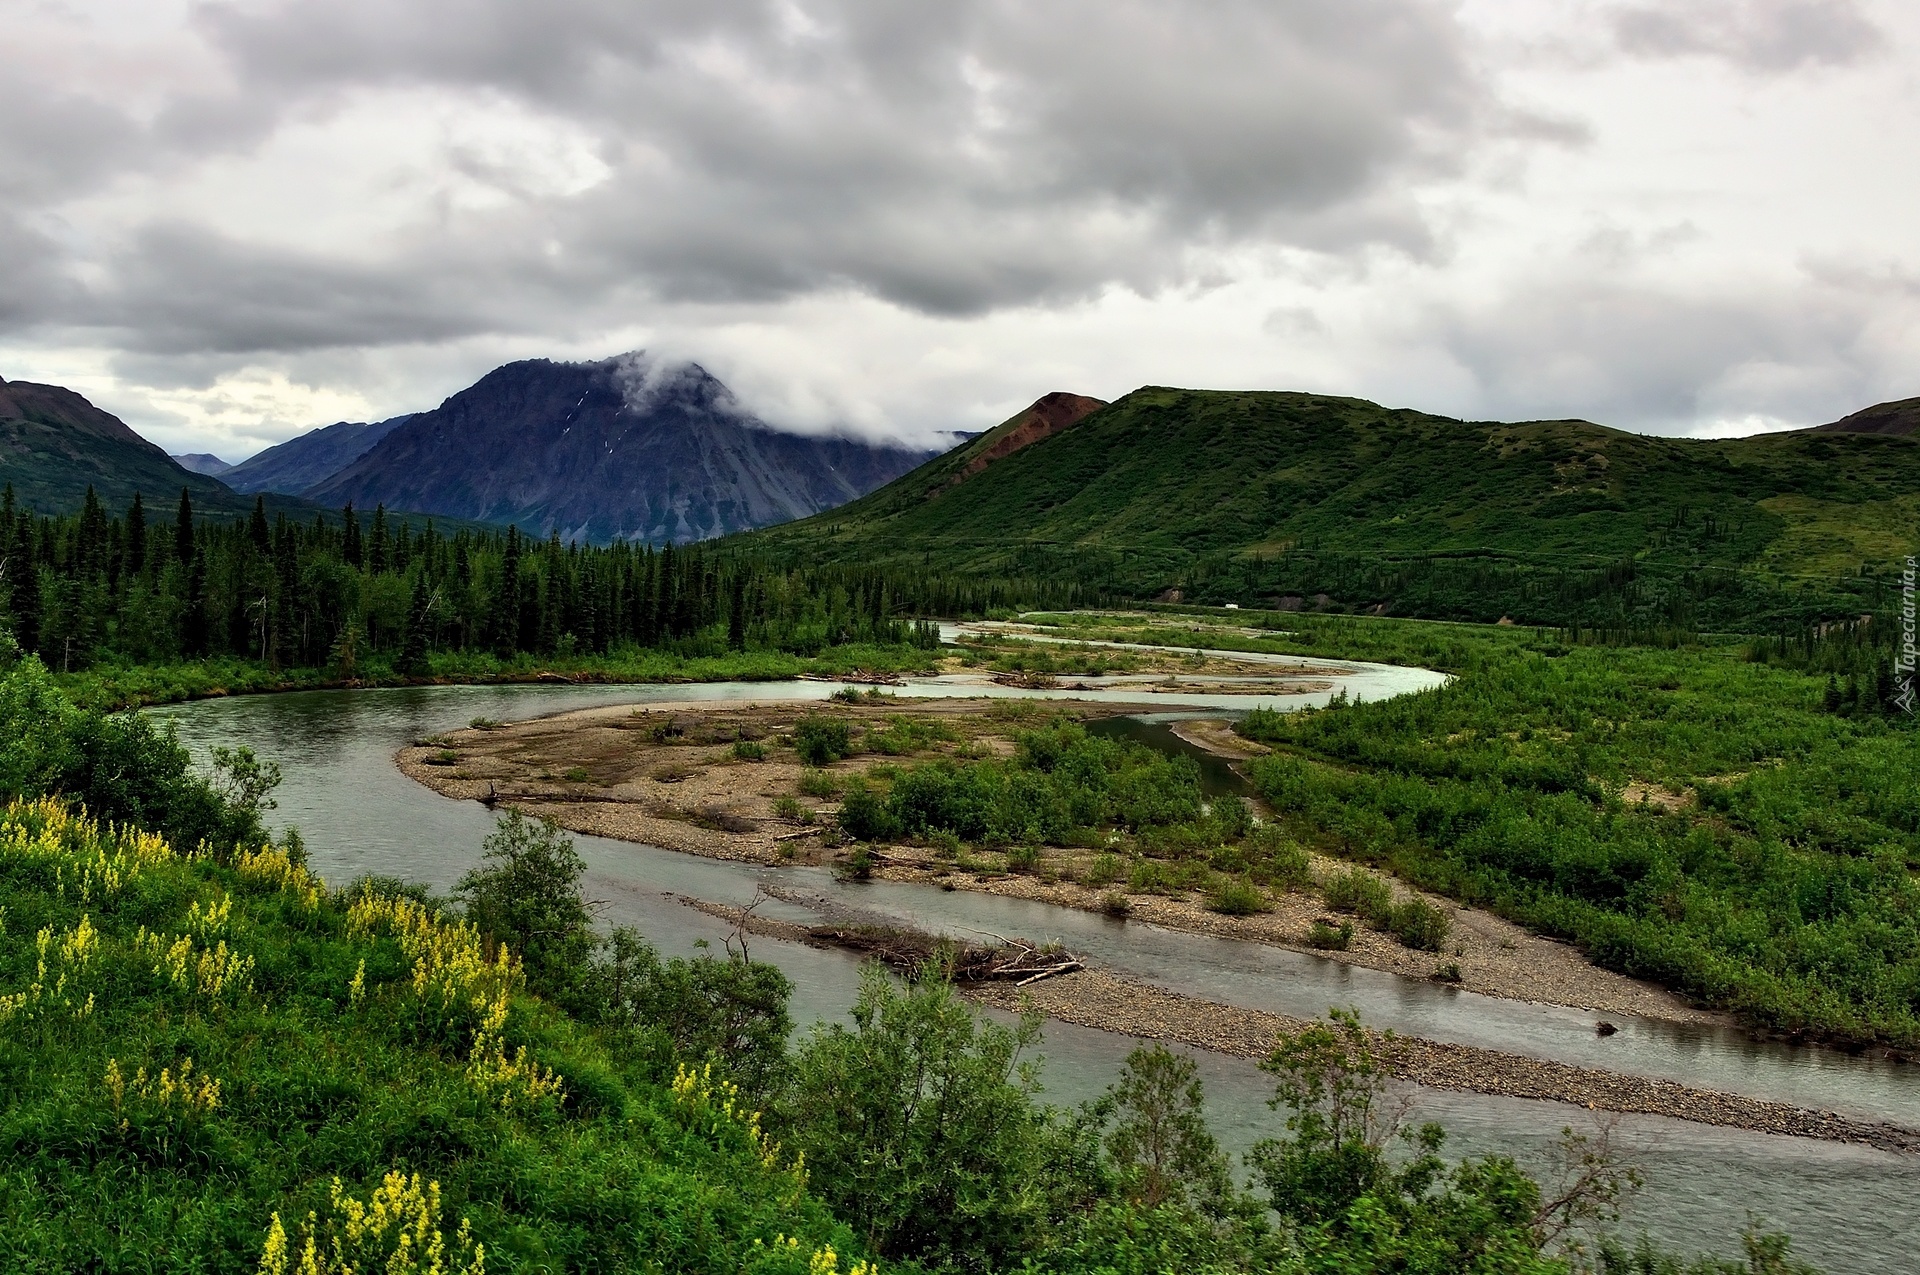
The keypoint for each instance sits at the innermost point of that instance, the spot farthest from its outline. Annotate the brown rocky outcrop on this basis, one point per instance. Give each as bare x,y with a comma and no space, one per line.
1048,415
1902,416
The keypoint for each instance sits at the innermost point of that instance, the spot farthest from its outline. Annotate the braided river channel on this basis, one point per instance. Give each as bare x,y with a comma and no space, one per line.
1848,1207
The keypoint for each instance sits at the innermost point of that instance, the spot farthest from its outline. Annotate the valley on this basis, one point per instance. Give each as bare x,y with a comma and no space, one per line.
1615,821
387,828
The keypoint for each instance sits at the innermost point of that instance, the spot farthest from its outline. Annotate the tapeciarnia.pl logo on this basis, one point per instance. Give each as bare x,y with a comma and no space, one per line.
1903,663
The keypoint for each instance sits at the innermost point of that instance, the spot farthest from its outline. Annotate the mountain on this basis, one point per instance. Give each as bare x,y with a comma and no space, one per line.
54,443
312,458
202,463
627,447
1171,476
1900,417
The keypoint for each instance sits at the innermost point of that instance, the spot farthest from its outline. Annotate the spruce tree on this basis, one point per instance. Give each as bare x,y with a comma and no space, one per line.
257,526
136,537
23,574
183,530
195,627
350,537
90,537
377,541
413,653
503,620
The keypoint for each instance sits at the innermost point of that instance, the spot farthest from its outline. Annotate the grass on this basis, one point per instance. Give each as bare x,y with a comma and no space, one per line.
1247,495
115,686
163,1100
1774,877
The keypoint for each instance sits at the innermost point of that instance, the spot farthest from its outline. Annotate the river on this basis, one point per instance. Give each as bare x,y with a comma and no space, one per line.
1848,1208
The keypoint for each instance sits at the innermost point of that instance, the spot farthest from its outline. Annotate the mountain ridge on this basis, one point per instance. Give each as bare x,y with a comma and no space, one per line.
205,463
1192,473
309,459
1900,417
54,444
620,448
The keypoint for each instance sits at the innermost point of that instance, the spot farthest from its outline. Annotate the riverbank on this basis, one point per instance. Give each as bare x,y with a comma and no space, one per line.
1112,1002
114,688
669,775
1058,986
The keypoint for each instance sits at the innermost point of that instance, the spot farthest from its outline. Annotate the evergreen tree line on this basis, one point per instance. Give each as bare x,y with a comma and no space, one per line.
139,587
1859,658
1627,594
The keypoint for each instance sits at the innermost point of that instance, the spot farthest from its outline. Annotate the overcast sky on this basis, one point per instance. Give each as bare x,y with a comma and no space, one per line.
229,222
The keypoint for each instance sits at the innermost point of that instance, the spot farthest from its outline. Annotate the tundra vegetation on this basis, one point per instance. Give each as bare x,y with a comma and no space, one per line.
1734,817
215,1061
1337,503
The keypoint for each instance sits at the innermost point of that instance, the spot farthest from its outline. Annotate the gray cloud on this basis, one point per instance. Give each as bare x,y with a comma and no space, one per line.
952,158
1640,356
1759,35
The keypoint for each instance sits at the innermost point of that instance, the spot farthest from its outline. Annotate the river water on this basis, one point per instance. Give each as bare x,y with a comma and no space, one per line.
1849,1208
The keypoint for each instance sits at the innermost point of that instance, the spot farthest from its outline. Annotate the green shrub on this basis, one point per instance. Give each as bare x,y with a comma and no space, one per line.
1361,893
821,740
864,815
1279,859
1149,876
526,894
1329,937
1419,924
749,750
1237,898
1104,870
1114,903
904,735
1231,859
1023,858
919,1128
786,807
1230,817
858,865
819,783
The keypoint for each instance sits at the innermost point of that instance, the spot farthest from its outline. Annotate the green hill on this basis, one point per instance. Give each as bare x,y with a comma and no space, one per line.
54,444
1168,488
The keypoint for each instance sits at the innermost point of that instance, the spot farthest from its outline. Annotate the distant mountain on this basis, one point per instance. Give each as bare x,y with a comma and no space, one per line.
202,463
1899,417
54,443
628,447
311,458
1164,477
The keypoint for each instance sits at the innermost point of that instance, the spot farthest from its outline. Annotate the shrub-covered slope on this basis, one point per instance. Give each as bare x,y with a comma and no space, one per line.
204,1048
54,444
1171,474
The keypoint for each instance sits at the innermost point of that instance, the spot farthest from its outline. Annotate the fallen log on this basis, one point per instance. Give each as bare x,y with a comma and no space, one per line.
910,951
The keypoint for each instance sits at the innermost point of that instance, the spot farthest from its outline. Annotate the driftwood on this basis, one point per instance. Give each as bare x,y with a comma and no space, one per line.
1015,962
859,676
1032,680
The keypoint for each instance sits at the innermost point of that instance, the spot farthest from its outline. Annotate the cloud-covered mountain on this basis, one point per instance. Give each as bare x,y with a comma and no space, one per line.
627,447
313,457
